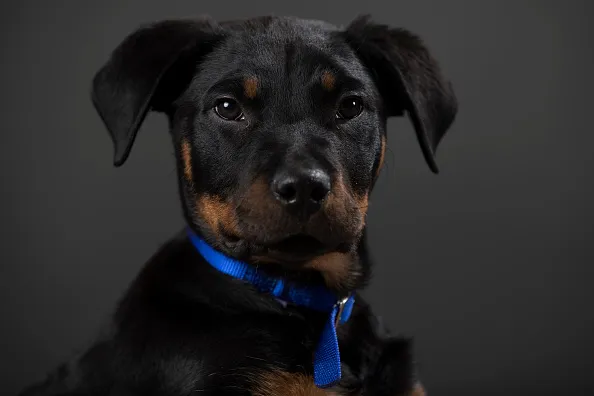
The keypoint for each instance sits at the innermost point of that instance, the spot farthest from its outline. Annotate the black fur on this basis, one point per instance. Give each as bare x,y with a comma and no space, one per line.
185,329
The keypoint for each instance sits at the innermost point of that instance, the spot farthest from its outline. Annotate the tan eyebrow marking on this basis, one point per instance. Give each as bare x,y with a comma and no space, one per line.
328,80
250,87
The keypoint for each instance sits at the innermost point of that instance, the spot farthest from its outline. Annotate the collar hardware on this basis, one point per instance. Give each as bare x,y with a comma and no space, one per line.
340,306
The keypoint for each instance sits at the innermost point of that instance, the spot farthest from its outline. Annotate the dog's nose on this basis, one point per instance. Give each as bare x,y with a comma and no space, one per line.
303,190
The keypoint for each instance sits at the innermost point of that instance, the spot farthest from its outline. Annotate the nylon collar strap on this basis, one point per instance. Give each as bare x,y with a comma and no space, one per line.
326,363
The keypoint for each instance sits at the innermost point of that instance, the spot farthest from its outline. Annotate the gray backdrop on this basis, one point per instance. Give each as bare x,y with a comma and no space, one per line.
488,265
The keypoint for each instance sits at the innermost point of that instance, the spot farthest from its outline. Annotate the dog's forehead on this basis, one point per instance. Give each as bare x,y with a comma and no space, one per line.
285,48
281,27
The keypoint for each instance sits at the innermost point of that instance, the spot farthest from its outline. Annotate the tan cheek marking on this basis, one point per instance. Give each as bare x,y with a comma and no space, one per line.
250,87
219,215
382,156
281,383
348,209
363,204
339,191
328,81
334,267
186,151
259,203
418,390
342,195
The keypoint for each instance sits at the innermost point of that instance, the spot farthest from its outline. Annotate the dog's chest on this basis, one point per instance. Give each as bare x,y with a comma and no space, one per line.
273,361
277,383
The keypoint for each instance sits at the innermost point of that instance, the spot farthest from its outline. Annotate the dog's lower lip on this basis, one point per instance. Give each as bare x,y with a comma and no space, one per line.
299,244
296,248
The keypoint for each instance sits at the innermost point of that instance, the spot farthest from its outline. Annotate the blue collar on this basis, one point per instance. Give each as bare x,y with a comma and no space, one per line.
327,369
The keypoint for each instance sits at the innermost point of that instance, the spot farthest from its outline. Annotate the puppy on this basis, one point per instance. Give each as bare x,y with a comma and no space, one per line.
279,129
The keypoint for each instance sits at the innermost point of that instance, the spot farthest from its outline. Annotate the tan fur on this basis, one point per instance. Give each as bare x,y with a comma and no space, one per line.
334,267
328,81
282,383
337,201
258,204
418,390
338,268
342,197
219,215
186,152
250,87
382,156
363,204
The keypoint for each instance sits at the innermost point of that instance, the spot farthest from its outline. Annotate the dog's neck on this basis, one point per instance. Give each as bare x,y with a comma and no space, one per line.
338,308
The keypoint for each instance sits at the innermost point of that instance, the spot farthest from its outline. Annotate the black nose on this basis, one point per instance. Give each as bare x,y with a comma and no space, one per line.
303,190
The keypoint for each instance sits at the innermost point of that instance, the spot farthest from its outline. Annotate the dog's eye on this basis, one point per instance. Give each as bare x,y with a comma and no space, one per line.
349,108
229,109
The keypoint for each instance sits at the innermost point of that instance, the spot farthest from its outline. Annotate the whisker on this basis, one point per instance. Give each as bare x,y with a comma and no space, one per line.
255,358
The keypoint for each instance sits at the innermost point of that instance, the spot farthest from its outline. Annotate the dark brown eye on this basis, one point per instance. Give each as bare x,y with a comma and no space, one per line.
349,108
229,109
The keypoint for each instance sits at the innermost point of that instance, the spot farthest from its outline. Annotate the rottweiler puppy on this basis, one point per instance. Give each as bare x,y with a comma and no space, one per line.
279,129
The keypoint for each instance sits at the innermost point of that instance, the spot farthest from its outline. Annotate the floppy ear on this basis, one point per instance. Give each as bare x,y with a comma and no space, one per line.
147,71
408,78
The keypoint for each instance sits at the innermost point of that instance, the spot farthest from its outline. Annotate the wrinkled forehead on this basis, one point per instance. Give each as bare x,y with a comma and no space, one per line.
287,61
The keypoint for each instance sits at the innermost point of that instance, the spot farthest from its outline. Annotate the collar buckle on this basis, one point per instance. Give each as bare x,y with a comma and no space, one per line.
340,305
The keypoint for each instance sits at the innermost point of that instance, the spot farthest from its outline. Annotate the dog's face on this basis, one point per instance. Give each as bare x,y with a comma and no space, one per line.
278,123
283,133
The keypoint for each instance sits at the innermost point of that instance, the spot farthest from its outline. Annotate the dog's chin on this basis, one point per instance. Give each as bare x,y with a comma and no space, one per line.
296,249
293,250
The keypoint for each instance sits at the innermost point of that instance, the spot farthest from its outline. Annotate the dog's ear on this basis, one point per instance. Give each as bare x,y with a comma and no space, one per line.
147,71
408,78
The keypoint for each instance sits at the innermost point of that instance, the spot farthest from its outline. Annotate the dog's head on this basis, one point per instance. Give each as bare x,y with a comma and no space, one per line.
279,125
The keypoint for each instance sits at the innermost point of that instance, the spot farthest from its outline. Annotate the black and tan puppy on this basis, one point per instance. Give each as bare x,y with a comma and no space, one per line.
279,128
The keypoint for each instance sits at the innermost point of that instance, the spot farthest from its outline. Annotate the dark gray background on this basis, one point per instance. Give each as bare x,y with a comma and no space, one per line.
488,265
